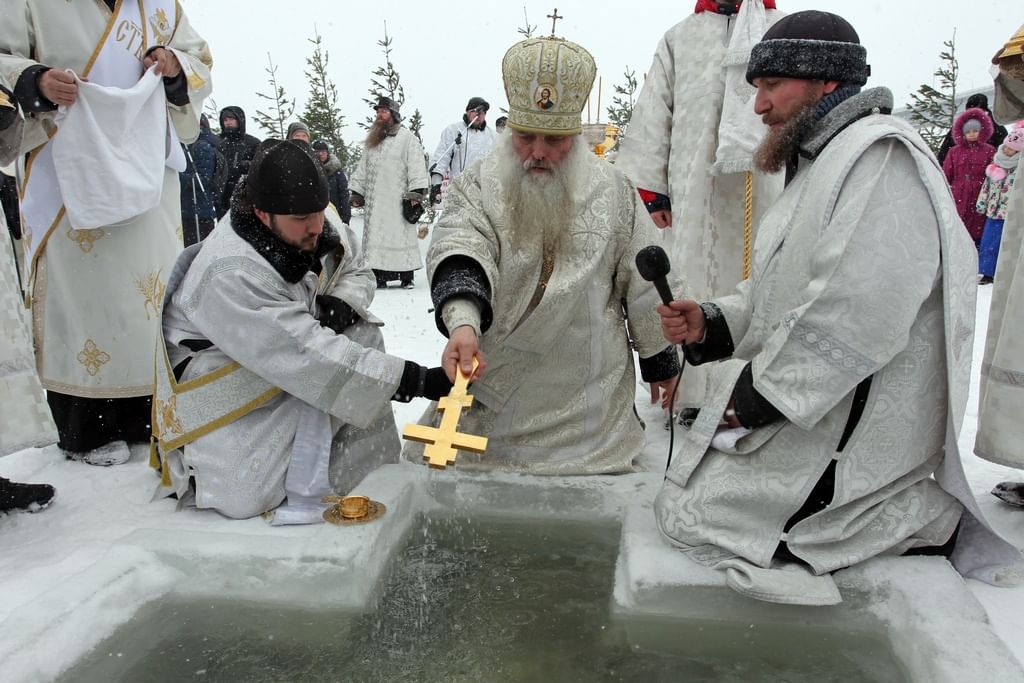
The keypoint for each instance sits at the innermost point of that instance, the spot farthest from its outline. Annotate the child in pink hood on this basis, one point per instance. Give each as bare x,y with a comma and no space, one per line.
965,166
999,178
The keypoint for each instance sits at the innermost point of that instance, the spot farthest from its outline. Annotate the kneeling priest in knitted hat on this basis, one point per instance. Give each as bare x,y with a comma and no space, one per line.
272,380
830,433
532,272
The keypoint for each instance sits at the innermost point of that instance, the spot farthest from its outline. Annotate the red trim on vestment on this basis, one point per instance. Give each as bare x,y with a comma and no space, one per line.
712,5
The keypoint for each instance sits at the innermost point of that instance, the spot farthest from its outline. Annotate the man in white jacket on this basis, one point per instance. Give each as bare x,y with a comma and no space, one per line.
273,381
461,144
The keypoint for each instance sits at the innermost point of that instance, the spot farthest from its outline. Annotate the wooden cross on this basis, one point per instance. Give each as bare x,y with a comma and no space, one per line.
444,441
554,16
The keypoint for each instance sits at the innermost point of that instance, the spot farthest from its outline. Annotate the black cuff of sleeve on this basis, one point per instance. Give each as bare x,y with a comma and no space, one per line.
335,313
176,89
26,91
661,366
414,376
461,276
659,203
752,409
8,115
717,342
436,384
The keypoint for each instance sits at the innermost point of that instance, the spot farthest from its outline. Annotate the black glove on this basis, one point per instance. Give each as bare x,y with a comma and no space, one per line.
357,200
335,313
419,381
411,211
8,115
435,194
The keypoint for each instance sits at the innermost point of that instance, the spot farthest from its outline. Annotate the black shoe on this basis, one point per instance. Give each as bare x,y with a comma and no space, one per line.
985,280
1011,492
687,416
17,497
407,284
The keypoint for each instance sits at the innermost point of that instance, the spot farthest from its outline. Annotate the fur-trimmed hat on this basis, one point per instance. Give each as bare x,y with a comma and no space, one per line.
391,106
296,127
285,179
810,45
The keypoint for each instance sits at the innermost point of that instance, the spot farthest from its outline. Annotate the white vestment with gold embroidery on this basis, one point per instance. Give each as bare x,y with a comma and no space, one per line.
96,292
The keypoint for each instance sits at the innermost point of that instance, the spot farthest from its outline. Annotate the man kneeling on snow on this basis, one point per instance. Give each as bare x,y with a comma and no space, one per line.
271,378
829,435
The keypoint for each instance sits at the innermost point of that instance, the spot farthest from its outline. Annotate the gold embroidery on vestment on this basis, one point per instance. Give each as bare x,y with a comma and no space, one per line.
152,290
93,357
167,418
86,239
161,27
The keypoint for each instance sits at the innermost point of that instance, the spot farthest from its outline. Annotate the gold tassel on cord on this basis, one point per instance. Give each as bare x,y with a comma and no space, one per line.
748,222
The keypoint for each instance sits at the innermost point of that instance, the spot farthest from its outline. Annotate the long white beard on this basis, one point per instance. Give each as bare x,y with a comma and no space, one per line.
541,206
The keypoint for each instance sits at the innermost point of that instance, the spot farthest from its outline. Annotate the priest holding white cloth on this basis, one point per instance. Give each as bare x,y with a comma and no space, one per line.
848,351
95,287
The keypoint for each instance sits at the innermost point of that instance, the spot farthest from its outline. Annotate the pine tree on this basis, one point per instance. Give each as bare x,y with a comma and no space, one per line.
385,81
273,121
212,112
526,31
933,109
621,109
322,114
415,125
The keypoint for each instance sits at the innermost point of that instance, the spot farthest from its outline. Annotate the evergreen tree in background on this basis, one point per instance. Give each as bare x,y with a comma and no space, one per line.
415,125
274,121
527,30
212,112
385,81
933,109
621,109
322,114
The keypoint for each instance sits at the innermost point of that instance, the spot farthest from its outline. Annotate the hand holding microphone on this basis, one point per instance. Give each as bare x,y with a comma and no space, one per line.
682,321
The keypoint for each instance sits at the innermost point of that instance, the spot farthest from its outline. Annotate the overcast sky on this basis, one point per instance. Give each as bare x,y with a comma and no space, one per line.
447,52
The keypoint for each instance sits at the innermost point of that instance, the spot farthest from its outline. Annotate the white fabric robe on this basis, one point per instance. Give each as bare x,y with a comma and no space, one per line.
383,175
670,148
1000,426
96,292
25,419
452,159
231,296
557,394
870,217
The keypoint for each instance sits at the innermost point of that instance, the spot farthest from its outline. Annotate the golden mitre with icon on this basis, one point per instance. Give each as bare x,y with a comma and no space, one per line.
547,83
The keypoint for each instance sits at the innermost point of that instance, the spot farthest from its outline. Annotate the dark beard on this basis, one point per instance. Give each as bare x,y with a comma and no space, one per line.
378,131
780,144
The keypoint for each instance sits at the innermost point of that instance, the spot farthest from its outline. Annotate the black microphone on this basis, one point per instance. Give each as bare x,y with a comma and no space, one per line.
652,262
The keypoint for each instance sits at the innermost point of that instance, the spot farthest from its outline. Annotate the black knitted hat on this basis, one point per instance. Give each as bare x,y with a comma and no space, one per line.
391,106
477,102
284,179
810,45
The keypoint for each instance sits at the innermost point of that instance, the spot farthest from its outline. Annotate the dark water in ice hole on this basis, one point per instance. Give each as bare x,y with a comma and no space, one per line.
473,600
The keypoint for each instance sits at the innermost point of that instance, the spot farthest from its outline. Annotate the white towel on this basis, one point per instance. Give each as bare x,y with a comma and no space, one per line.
110,151
740,130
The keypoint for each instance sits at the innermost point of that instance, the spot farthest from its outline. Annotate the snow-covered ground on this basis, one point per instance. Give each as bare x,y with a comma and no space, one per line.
45,555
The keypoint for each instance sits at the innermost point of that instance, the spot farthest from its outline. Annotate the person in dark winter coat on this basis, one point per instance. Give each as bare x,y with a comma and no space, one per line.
965,166
977,101
337,181
198,187
237,147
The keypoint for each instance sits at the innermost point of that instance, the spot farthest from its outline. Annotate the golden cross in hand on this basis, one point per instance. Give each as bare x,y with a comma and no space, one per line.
554,16
444,440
